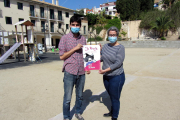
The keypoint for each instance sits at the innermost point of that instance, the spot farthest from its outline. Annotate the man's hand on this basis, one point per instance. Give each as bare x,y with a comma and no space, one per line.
102,71
79,46
88,72
100,46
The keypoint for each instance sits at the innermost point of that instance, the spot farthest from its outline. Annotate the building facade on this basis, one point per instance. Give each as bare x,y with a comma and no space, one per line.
110,8
50,19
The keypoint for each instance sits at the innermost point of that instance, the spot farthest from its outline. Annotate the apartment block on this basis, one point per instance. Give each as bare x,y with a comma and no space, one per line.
50,20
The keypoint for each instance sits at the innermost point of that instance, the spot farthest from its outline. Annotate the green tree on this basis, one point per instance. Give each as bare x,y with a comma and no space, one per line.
80,12
121,8
146,5
113,22
149,17
174,13
162,24
124,33
128,9
101,18
92,19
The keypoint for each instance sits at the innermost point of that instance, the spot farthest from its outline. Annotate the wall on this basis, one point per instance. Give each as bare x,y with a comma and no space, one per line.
148,44
132,28
13,12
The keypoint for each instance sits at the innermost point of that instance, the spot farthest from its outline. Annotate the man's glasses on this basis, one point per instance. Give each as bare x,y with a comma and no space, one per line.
112,35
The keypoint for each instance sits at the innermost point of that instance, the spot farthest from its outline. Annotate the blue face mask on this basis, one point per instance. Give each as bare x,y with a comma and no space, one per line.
75,29
112,39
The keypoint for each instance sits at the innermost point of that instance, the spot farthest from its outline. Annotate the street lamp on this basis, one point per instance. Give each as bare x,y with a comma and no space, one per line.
45,28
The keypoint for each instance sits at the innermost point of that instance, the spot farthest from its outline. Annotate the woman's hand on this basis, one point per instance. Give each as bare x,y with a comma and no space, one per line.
88,72
101,71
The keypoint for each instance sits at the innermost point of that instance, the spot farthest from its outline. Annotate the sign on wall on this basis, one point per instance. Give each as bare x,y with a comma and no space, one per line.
91,55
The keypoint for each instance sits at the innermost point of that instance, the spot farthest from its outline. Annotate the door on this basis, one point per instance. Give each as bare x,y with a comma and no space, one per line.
52,42
57,42
43,41
42,26
32,10
52,26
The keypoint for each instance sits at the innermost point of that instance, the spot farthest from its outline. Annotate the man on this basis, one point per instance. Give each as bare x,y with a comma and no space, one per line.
70,50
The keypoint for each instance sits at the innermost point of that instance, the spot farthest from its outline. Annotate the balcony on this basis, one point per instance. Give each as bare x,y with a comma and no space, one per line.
43,16
53,18
112,10
32,14
39,29
60,19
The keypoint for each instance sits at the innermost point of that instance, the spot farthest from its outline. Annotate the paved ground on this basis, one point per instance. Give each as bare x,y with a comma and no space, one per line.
151,91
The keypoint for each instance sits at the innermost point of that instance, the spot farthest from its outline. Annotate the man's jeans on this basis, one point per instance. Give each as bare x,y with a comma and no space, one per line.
114,85
69,81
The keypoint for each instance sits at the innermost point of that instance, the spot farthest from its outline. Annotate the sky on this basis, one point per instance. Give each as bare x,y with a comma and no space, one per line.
78,4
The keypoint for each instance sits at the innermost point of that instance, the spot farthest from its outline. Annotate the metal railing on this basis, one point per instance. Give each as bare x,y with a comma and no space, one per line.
39,29
33,14
43,16
54,17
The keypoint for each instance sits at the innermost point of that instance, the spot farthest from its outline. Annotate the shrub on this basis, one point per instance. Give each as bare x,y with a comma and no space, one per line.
163,38
113,22
124,33
98,29
98,38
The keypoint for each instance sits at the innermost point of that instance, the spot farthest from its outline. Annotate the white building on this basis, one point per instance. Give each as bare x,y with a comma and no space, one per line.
46,15
110,8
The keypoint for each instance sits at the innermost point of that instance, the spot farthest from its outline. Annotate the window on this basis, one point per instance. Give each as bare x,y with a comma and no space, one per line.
42,12
20,6
34,22
59,26
32,10
52,26
84,29
67,14
51,14
8,20
21,19
59,15
114,7
110,13
67,26
42,26
6,3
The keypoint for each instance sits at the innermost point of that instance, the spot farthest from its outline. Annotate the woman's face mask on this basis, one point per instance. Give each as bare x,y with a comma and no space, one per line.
75,29
112,39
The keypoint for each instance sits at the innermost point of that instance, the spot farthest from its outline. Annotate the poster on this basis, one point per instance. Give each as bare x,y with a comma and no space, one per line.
91,56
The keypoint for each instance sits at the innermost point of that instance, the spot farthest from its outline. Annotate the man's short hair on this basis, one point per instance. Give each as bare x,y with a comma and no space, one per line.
75,19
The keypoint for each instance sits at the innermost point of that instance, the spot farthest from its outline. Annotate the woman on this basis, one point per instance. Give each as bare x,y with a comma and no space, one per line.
112,56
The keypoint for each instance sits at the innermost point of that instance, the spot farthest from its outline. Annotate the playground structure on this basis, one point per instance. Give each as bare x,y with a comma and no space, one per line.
25,40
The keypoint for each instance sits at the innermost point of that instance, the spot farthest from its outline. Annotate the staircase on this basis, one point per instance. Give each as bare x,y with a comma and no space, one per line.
9,52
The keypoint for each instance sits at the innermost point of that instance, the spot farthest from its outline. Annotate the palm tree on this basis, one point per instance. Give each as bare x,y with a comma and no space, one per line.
101,18
162,24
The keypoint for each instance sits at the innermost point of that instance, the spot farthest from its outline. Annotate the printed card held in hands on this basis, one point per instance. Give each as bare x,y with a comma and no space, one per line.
91,55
